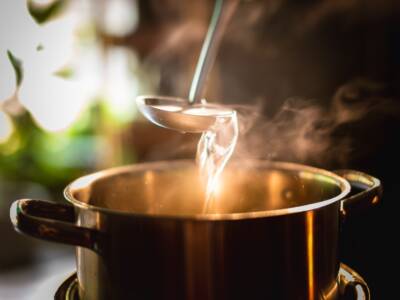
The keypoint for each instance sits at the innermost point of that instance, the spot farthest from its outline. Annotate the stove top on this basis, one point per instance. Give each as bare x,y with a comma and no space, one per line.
69,288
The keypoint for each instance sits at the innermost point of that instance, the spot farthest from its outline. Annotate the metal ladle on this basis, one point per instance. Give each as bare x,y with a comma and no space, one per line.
191,115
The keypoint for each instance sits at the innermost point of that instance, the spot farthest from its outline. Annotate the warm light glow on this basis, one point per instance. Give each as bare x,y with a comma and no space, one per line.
274,185
331,292
310,252
214,187
213,152
149,181
6,127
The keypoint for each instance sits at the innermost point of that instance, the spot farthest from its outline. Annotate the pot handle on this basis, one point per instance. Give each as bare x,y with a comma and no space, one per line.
51,222
350,278
368,191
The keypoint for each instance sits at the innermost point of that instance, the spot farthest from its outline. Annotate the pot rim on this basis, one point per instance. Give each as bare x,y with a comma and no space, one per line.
304,171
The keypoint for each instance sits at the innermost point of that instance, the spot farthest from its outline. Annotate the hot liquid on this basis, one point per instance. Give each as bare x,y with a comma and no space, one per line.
216,144
213,152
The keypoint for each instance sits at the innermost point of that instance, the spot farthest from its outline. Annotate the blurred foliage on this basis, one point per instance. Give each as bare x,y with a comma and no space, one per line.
51,159
17,66
32,154
42,13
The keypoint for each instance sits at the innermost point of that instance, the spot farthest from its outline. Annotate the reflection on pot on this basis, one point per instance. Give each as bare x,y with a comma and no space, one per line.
272,232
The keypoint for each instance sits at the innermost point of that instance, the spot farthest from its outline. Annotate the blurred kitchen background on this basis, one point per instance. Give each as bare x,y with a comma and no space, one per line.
321,79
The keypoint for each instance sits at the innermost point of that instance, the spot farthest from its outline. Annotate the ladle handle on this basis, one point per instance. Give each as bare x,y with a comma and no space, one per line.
219,20
350,278
366,191
52,222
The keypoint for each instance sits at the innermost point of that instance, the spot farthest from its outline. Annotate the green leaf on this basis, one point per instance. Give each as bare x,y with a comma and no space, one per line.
42,13
17,66
65,72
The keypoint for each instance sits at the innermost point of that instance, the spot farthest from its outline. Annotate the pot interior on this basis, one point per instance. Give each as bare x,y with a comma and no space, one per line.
174,188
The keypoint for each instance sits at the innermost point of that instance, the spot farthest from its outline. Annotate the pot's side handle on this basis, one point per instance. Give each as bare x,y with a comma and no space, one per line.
52,222
349,278
369,191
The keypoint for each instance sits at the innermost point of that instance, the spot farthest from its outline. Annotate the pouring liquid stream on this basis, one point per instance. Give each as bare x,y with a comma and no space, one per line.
214,150
219,127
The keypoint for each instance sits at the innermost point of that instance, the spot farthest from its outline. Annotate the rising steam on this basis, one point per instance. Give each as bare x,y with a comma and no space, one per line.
305,131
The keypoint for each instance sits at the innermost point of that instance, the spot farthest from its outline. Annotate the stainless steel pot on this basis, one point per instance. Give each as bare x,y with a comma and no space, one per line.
272,231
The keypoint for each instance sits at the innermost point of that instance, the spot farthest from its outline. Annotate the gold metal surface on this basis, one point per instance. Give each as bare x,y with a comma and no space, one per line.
272,232
259,241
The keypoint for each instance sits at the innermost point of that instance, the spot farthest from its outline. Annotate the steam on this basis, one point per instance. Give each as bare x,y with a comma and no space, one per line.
267,46
306,131
303,131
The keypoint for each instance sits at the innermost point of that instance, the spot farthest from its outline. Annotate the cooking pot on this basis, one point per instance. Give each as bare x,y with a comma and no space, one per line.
271,231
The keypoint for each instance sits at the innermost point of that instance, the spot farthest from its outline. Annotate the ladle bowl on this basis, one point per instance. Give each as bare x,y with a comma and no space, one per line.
177,114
